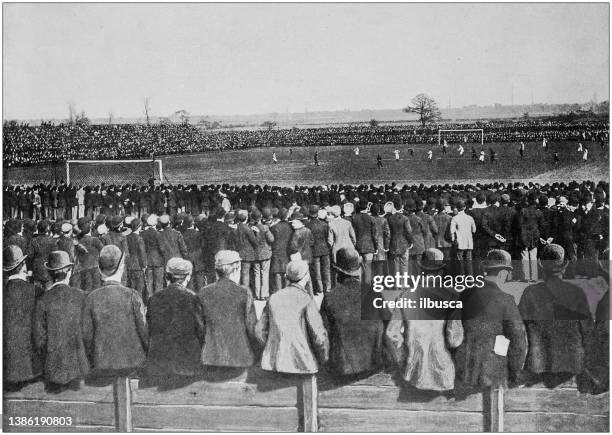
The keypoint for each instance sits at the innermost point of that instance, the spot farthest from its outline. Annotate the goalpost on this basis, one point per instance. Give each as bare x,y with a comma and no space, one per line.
113,171
461,130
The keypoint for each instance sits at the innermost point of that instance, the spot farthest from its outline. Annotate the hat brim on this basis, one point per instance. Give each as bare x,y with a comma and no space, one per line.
496,267
442,265
356,272
14,265
58,268
554,269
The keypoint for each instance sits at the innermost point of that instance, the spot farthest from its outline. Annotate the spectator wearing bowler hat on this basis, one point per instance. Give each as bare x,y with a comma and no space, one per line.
383,236
214,237
246,245
422,339
176,327
400,242
115,237
57,327
229,315
366,240
263,254
87,259
136,262
320,267
114,325
41,246
21,363
355,335
558,321
171,241
291,328
154,273
282,232
301,243
484,359
462,229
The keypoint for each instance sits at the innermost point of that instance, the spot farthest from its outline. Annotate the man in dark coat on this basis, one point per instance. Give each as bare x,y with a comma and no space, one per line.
176,327
558,321
136,262
41,246
193,242
567,224
593,232
400,240
87,259
57,327
529,225
246,245
21,363
229,315
171,241
214,237
485,359
320,267
355,343
282,233
155,260
495,225
114,328
366,240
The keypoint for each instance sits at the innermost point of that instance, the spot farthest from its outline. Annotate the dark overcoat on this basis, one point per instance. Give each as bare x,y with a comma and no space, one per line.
355,344
58,336
114,329
282,232
176,332
559,326
487,313
229,315
20,360
365,233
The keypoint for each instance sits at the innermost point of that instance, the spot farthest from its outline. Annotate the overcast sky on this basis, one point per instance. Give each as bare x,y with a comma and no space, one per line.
213,59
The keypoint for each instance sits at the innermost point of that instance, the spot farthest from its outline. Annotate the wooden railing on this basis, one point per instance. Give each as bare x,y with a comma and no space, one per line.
261,401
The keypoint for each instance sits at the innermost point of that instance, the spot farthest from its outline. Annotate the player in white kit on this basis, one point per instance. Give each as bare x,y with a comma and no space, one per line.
430,155
396,152
580,148
585,155
461,150
481,158
274,159
356,150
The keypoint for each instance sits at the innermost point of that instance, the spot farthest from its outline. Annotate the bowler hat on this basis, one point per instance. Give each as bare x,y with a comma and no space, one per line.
432,259
296,270
58,260
553,258
110,259
497,259
116,222
12,256
135,224
179,267
347,262
296,216
314,211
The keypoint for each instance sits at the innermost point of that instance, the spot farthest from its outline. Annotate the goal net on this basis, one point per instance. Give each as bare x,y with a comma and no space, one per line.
94,172
456,136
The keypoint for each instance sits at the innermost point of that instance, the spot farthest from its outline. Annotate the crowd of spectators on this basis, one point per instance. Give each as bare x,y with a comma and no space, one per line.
47,143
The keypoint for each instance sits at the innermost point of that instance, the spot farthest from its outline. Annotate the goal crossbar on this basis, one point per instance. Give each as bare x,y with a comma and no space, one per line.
466,130
110,162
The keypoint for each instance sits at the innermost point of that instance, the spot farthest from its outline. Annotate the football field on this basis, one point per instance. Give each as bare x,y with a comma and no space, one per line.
339,164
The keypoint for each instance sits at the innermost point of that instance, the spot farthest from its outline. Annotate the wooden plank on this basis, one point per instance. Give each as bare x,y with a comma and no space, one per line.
557,400
222,394
555,422
361,420
122,394
493,404
86,393
383,397
82,413
215,418
309,403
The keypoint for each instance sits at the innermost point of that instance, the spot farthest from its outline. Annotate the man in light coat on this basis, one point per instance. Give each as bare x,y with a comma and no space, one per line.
462,230
291,328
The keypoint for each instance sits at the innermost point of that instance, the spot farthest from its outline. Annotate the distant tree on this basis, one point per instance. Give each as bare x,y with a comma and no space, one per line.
268,124
72,113
373,123
147,110
425,107
82,120
183,115
110,118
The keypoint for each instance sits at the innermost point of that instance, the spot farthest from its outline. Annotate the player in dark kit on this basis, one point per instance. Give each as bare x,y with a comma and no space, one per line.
379,162
316,158
556,158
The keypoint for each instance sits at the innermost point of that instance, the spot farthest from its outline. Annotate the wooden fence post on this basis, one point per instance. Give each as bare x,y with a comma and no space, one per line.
310,395
122,395
493,401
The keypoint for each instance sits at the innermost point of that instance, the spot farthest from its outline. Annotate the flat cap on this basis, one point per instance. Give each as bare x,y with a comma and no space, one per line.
178,267
296,270
225,257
